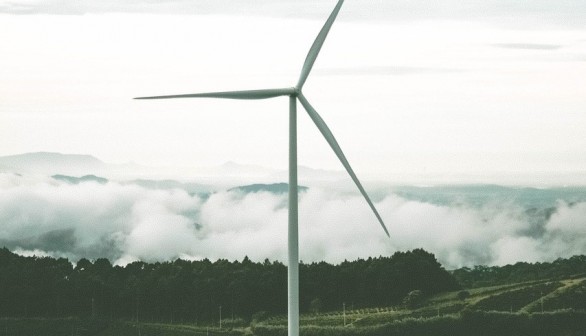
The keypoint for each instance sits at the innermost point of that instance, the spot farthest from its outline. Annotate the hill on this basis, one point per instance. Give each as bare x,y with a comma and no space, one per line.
51,163
275,188
48,287
167,184
78,180
532,199
96,298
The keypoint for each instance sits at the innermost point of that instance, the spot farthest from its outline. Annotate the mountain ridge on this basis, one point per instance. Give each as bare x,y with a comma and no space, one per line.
275,188
229,172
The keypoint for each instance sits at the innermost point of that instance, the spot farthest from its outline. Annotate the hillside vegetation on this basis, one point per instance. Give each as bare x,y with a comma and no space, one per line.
193,291
353,298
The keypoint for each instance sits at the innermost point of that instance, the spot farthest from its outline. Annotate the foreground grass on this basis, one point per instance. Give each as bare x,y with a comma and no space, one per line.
466,323
51,327
548,308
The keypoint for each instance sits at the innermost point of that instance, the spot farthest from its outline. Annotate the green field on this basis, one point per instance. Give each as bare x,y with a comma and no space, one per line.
532,308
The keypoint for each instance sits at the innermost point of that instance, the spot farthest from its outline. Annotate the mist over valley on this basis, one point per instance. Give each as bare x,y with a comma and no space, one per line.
150,219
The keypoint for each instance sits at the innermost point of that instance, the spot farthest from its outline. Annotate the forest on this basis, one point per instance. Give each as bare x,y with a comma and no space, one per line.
198,291
483,276
408,294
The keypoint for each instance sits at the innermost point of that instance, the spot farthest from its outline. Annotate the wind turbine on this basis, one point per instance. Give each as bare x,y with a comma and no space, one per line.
295,93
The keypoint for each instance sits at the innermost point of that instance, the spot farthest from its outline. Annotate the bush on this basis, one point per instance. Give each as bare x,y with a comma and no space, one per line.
463,295
413,299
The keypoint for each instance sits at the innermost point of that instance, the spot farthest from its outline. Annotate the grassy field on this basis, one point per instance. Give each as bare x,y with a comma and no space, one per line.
532,308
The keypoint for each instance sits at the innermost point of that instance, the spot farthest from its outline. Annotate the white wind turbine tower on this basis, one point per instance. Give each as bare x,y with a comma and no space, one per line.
295,93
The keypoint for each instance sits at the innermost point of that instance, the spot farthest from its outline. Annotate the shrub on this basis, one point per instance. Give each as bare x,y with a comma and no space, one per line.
413,299
463,295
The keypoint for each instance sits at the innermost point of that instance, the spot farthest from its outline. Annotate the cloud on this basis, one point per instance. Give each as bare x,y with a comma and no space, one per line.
528,46
221,7
385,70
126,222
540,12
566,230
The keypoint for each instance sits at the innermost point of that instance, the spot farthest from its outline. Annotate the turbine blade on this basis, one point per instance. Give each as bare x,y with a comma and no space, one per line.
325,131
316,46
246,94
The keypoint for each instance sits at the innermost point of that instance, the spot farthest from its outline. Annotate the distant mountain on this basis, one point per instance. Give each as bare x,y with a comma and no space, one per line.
482,194
223,176
192,188
78,180
251,173
47,163
231,168
52,163
275,188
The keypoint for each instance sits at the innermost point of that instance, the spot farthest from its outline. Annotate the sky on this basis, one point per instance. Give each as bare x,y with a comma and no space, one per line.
484,92
415,92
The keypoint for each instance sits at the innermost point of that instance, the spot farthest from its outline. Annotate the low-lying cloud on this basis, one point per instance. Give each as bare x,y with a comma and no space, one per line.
125,222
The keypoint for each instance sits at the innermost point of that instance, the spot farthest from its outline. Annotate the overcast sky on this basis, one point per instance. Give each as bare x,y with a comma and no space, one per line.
486,91
415,92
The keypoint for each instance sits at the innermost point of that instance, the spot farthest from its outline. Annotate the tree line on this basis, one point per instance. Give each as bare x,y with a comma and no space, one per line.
483,276
199,291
